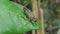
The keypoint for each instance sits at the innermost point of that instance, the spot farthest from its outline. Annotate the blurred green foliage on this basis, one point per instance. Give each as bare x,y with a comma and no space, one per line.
51,10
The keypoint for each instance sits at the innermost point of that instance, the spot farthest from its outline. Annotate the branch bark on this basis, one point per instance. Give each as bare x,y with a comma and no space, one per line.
36,13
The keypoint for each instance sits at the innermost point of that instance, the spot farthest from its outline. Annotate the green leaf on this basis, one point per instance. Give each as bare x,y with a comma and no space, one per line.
13,20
